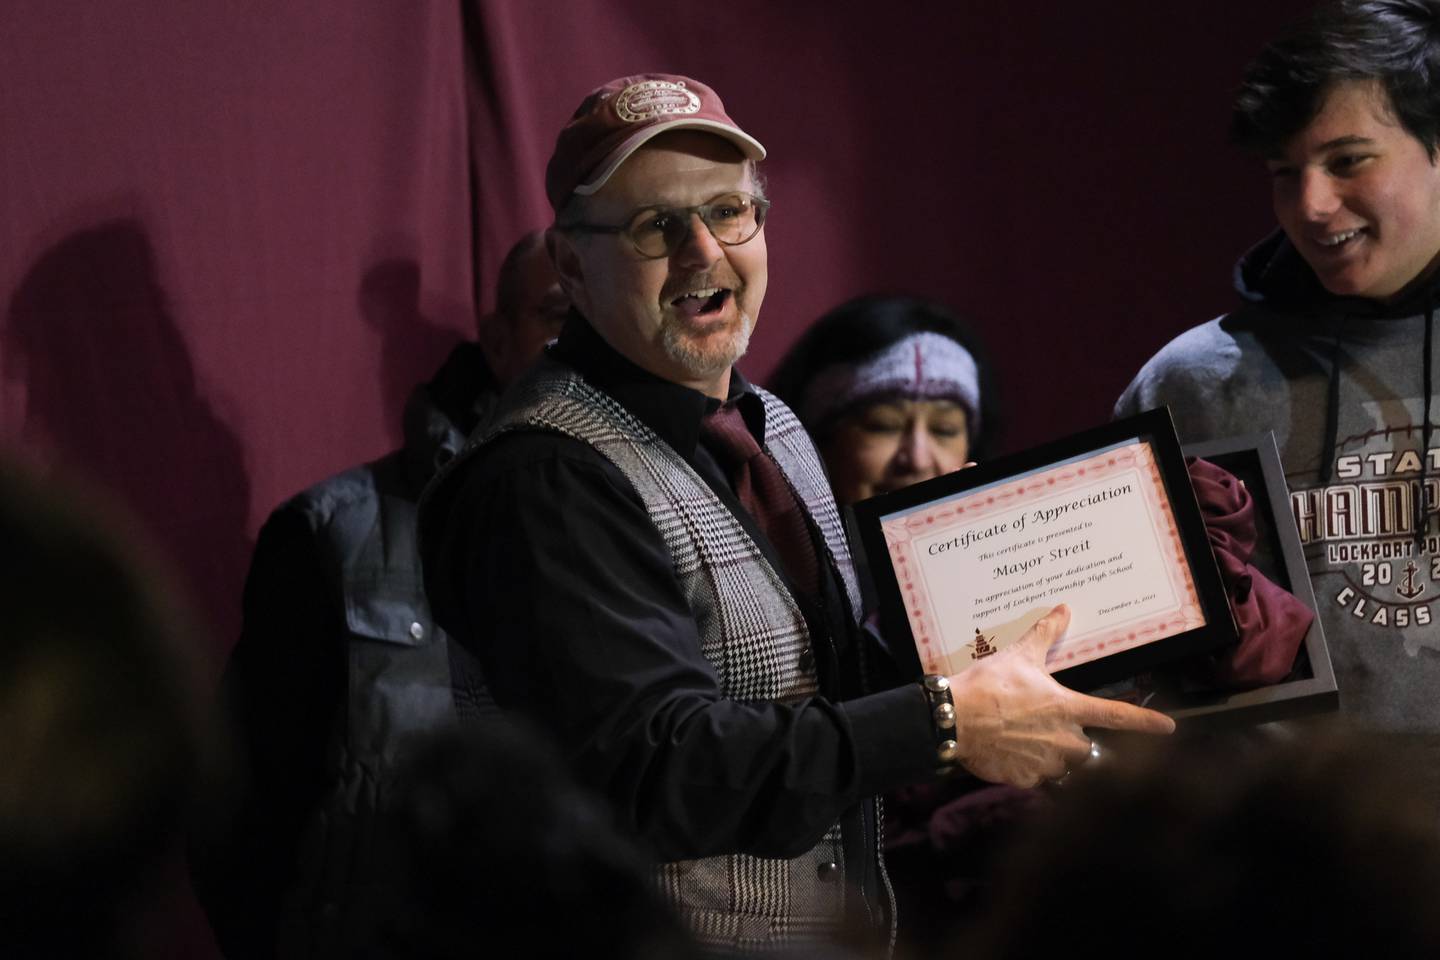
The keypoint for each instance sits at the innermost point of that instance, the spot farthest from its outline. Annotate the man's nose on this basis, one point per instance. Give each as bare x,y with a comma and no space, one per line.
1318,198
699,248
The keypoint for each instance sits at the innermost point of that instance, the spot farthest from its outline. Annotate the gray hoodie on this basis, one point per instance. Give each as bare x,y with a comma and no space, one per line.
1344,384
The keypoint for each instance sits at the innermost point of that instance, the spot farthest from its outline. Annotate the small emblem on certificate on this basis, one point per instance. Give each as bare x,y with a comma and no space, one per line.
1104,521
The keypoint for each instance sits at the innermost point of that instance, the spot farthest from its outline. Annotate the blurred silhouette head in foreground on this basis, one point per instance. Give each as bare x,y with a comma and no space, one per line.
104,733
1317,848
505,848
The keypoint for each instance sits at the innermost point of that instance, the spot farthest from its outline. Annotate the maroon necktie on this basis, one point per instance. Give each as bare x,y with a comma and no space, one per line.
763,490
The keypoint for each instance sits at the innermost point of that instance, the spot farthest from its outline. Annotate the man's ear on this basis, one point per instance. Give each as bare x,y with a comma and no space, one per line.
567,267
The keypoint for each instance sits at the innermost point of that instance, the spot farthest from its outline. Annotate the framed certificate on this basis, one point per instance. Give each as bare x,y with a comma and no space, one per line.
1104,521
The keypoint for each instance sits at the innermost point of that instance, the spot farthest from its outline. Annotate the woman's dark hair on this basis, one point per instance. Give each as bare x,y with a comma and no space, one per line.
1393,42
865,326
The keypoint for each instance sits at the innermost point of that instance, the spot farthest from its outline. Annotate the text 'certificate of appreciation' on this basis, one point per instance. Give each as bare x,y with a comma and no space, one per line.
1098,530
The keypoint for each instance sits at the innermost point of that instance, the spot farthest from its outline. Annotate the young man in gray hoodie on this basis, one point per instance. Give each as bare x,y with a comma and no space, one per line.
1333,347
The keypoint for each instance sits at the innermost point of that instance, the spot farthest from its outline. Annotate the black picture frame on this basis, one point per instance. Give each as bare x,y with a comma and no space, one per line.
1311,686
1154,428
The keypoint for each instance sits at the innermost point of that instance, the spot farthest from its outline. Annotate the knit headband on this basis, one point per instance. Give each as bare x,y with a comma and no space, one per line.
923,366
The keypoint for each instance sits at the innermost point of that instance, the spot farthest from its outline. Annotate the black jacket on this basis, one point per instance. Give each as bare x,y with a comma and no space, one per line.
338,668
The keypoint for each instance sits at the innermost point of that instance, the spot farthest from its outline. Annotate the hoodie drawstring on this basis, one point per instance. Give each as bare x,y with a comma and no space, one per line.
1422,523
1332,406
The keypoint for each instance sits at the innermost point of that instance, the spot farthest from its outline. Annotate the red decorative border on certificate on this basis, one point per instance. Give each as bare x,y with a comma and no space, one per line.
972,507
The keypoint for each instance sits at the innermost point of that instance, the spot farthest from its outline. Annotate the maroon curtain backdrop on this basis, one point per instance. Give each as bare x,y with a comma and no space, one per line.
232,236
1057,172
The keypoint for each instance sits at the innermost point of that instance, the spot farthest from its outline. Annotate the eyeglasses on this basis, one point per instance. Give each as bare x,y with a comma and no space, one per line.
656,232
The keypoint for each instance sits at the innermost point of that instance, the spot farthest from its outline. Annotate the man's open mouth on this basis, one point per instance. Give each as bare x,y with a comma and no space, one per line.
701,303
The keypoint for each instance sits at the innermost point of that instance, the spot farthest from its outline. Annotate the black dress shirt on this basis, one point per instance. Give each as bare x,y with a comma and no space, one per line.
542,562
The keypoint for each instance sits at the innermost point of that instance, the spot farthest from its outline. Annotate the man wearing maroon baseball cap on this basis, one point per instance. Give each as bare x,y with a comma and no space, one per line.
642,552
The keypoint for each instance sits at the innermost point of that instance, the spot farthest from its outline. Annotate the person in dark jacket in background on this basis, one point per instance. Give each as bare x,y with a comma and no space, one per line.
340,669
1334,348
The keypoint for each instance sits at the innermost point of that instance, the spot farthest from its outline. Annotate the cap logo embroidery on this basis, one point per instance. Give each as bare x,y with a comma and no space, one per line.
654,98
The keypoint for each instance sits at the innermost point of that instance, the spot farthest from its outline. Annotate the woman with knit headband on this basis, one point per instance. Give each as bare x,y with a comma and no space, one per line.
894,391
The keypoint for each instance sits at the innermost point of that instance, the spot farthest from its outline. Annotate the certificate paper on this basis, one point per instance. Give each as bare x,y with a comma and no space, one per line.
1097,534
972,569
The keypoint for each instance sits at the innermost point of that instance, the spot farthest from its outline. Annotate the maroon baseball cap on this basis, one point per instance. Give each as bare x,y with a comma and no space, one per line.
616,119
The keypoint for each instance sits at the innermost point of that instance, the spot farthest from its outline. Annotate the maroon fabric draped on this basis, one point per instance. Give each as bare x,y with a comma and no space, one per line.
1271,621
